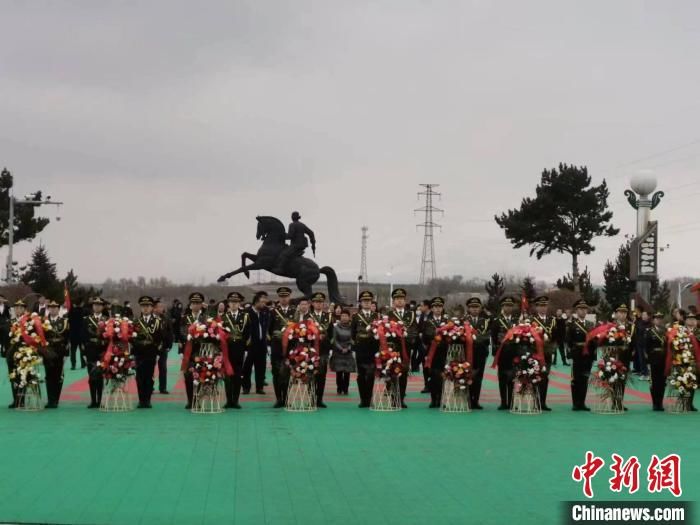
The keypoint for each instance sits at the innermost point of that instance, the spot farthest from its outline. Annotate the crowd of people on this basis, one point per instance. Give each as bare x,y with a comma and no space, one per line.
256,333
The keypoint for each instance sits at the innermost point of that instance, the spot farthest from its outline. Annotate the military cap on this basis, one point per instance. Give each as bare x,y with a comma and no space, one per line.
96,300
580,304
622,308
542,300
691,315
196,297
318,297
507,301
20,302
52,302
146,300
473,301
366,295
398,293
235,297
658,315
284,291
437,301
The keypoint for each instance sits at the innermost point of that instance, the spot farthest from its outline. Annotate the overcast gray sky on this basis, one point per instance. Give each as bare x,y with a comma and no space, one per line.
165,127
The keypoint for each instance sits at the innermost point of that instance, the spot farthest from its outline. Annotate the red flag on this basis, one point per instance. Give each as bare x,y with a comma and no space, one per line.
524,305
66,297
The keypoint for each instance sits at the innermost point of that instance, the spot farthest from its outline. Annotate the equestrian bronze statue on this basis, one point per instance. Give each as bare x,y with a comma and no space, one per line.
287,260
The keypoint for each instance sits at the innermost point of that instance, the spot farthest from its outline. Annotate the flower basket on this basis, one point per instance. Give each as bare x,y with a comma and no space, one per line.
682,382
207,374
29,398
301,395
116,396
386,396
455,388
608,384
526,399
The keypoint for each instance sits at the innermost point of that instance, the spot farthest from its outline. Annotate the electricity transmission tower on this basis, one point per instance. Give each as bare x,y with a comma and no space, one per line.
427,267
363,262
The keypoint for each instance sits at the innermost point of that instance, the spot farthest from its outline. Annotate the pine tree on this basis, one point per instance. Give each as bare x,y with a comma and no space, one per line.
618,286
527,288
495,288
40,275
565,215
661,298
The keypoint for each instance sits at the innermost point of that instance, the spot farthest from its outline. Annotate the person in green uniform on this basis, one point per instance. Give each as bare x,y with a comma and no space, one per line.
280,317
480,325
499,328
546,323
655,345
582,360
400,313
365,346
238,323
94,346
55,353
324,322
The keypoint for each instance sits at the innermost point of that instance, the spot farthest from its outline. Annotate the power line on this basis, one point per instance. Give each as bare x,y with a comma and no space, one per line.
427,267
658,154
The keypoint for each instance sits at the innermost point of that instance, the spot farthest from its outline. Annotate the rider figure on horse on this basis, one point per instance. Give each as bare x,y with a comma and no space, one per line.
296,235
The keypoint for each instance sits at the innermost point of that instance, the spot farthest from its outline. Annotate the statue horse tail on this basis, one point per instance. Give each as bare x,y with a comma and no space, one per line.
333,290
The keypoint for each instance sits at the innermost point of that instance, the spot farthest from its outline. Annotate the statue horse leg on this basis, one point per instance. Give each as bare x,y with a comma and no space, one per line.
243,269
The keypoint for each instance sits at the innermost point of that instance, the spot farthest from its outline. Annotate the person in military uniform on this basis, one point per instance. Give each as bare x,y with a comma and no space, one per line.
146,344
280,317
365,346
94,346
324,322
195,315
499,328
655,344
20,308
168,339
297,233
400,313
628,351
581,361
480,325
437,357
238,323
547,324
55,353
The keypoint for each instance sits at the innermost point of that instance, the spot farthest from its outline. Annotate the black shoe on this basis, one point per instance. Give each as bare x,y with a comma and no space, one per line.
141,406
260,392
93,405
433,405
278,404
236,406
266,383
83,366
228,405
477,406
164,392
566,363
363,405
546,408
403,405
51,405
503,407
11,405
658,409
188,406
72,367
585,408
321,404
246,392
625,409
693,409
425,391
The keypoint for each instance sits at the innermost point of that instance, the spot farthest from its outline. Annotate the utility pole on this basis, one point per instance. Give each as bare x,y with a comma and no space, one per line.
427,267
31,200
363,261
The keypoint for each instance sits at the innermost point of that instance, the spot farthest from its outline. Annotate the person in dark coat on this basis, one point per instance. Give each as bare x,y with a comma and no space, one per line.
257,346
55,353
76,320
94,346
168,339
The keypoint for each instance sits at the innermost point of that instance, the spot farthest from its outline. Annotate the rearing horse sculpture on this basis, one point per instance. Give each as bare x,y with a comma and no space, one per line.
306,272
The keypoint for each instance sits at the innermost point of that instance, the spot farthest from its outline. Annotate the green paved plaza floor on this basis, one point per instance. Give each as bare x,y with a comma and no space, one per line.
341,465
